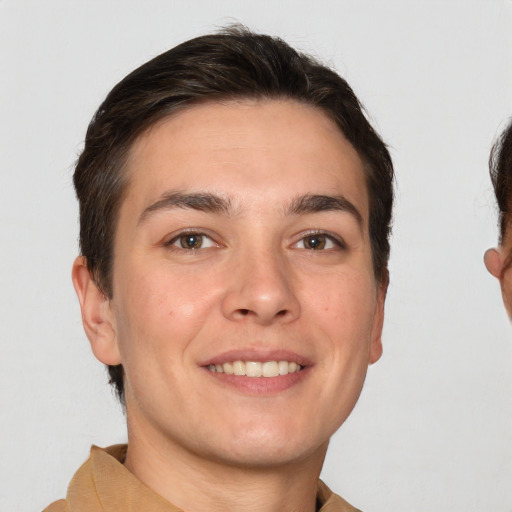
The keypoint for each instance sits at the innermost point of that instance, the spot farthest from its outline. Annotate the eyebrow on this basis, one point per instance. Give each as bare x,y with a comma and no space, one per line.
203,202
311,203
212,203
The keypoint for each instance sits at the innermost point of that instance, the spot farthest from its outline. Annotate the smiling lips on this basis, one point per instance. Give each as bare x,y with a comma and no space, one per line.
256,368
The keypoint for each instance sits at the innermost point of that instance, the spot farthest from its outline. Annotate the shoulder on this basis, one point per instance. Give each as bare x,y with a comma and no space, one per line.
82,493
57,506
332,502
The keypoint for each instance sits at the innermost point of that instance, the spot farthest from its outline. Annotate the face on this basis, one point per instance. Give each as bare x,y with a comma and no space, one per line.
498,263
244,304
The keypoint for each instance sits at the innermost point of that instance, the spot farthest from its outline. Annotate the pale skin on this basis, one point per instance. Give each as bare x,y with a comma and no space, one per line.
497,262
243,236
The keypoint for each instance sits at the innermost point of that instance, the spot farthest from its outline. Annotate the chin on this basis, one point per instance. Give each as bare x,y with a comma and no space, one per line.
268,458
267,448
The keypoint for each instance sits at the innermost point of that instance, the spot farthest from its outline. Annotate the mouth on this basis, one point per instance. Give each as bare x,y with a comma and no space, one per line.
256,369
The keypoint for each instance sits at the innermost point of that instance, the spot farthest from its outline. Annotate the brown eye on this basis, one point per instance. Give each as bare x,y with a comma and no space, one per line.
315,242
191,241
318,242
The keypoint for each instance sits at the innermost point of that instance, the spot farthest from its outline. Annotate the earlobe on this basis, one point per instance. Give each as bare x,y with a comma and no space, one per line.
97,316
378,324
493,260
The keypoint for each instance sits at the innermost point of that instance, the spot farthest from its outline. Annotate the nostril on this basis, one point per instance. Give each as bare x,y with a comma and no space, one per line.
244,312
281,313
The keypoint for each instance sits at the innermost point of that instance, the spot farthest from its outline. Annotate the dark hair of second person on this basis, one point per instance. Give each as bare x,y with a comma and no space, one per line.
499,260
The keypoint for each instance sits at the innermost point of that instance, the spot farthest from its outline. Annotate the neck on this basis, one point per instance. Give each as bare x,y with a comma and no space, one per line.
195,484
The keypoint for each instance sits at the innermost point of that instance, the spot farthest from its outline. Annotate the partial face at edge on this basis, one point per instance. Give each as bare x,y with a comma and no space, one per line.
498,263
243,237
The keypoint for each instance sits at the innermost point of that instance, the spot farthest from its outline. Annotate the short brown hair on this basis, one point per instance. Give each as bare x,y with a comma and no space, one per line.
232,64
500,168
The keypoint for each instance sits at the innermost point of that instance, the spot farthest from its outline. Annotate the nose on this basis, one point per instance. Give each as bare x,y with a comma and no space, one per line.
261,289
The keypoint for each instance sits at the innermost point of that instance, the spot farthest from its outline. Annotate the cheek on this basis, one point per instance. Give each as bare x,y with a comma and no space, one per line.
506,288
344,303
161,311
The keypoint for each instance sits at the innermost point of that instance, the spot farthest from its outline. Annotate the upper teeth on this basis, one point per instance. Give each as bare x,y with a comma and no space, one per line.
256,368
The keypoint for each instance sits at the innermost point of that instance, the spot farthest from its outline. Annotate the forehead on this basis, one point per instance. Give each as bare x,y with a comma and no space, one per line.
252,150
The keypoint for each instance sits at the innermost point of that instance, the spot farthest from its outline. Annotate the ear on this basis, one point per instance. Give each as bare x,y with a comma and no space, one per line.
97,316
378,323
493,259
496,263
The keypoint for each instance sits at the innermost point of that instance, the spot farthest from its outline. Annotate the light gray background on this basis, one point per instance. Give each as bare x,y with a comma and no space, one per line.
433,428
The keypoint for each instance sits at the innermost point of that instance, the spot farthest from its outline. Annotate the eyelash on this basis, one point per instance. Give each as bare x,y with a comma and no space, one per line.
171,244
329,237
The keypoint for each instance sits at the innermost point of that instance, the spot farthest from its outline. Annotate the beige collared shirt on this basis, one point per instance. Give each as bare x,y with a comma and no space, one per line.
103,484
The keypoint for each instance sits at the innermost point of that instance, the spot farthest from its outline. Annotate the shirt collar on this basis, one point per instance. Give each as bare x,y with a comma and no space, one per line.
104,483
